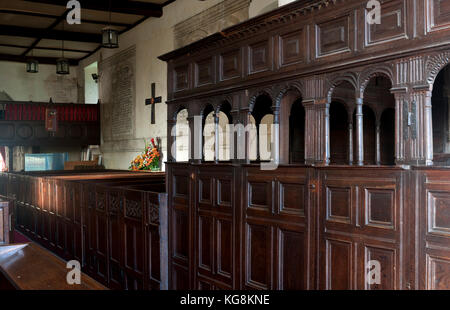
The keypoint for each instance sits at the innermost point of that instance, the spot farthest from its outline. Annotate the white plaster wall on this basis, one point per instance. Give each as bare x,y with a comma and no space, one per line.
258,7
38,87
153,38
90,87
284,2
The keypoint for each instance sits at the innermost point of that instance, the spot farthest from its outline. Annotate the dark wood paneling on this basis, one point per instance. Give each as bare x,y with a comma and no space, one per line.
108,229
230,65
433,239
365,216
393,24
360,221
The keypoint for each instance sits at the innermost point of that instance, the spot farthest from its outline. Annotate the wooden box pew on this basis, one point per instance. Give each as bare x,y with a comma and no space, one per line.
6,220
122,237
60,219
31,267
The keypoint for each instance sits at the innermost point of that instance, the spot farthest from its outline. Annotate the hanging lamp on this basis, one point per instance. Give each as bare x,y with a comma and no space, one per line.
62,64
110,35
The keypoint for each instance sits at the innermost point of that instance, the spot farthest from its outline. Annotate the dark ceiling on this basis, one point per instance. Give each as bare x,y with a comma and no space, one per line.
37,27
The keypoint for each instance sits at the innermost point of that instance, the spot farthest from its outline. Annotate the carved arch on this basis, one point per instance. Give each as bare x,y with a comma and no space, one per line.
337,79
221,100
177,109
255,94
285,88
371,72
434,65
205,103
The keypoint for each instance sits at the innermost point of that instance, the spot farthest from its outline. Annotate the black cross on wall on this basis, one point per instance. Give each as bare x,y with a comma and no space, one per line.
152,101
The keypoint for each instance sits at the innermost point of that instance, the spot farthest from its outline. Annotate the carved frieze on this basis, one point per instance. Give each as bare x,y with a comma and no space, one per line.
434,65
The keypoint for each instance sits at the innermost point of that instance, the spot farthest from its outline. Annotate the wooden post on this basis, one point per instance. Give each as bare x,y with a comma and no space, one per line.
216,138
360,131
275,137
350,142
171,140
196,139
401,154
428,139
258,156
327,134
378,144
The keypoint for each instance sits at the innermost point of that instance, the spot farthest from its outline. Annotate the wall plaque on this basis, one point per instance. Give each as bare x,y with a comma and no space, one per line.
118,92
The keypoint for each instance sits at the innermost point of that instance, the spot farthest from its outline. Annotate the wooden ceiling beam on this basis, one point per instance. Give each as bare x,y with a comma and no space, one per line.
42,60
45,48
86,21
117,6
50,34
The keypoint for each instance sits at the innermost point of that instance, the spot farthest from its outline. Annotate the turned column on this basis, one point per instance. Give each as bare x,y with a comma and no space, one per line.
400,94
237,138
196,139
378,144
216,137
428,128
275,149
171,140
359,132
418,120
350,142
326,155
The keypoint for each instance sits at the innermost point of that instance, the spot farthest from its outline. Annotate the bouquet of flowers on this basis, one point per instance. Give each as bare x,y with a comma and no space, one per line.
149,159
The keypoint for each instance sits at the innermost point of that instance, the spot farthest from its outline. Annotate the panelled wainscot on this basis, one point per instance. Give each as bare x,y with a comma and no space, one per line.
362,115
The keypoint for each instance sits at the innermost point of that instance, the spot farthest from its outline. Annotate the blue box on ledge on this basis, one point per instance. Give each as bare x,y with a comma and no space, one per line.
45,162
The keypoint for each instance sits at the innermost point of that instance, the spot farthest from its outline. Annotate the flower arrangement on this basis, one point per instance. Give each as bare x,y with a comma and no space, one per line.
149,160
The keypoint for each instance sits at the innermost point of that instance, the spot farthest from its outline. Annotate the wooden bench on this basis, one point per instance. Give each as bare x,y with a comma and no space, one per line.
31,267
6,221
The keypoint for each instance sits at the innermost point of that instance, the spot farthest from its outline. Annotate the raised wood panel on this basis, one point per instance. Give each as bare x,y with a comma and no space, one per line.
438,272
205,190
181,76
260,195
438,14
292,47
179,277
380,208
333,36
224,251
224,193
292,199
292,261
339,204
204,72
180,235
259,57
438,206
180,187
258,261
387,257
230,65
339,265
205,243
393,24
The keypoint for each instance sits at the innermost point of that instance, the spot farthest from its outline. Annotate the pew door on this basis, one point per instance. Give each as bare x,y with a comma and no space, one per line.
277,231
